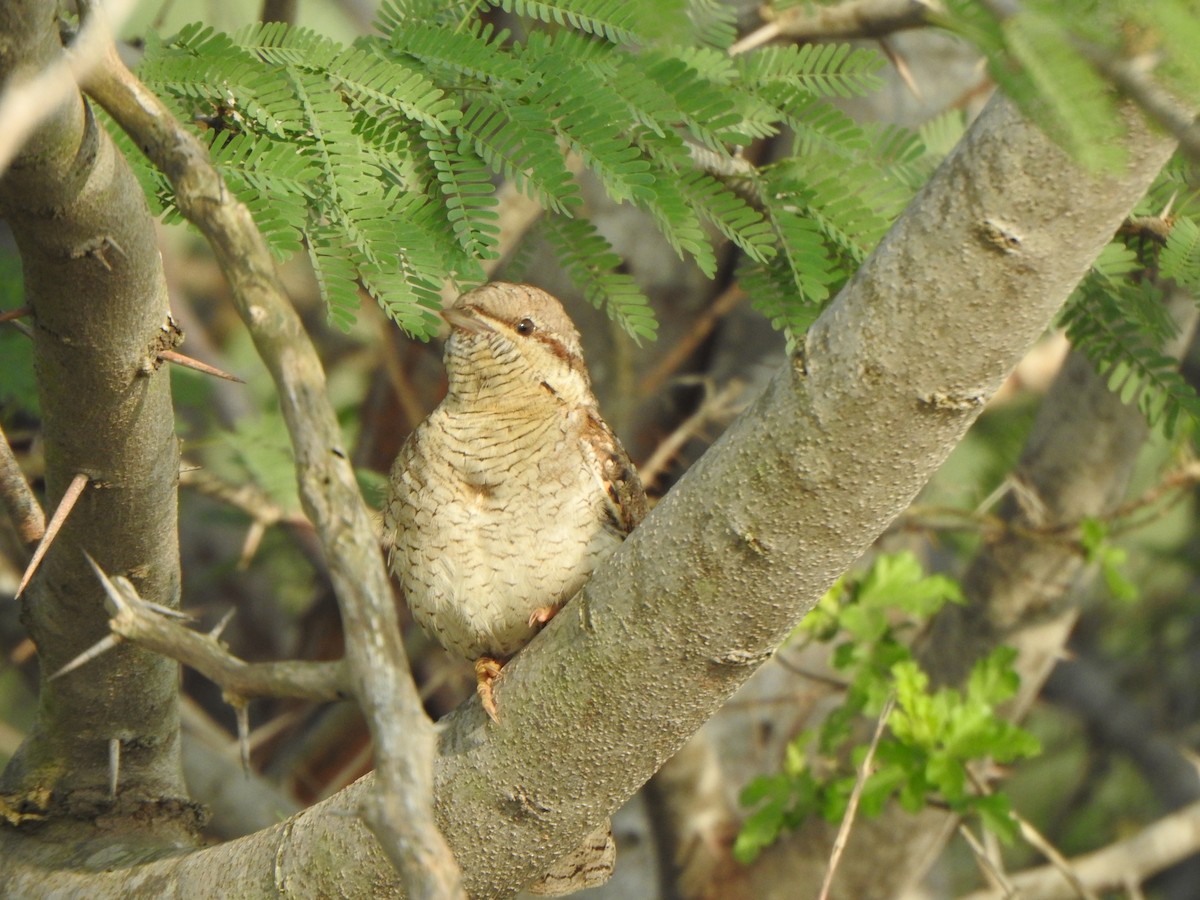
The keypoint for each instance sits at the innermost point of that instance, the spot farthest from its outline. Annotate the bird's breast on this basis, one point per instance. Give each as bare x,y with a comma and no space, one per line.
501,521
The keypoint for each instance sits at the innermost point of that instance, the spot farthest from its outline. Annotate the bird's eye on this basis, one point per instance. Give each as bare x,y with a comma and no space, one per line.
526,326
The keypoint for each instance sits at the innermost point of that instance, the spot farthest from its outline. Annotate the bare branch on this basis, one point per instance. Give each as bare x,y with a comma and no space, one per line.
1157,847
717,407
23,508
852,19
701,328
864,772
26,103
164,631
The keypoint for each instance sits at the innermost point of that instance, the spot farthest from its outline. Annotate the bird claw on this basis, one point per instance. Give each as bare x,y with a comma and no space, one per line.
542,615
487,670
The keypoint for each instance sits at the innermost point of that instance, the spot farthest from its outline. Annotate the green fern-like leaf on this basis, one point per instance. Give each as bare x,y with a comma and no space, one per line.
1096,321
823,70
729,213
516,141
337,276
394,15
592,265
466,187
475,51
380,156
1034,57
715,22
611,19
1180,259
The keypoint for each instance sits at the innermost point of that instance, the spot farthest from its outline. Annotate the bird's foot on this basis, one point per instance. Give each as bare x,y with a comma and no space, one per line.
487,670
542,615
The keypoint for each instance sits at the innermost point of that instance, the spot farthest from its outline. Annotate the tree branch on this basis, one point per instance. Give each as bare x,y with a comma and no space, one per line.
145,625
848,20
1166,842
98,307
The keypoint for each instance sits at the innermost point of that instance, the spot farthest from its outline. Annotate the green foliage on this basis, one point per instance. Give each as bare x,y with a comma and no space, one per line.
1053,58
380,158
932,738
1093,537
1117,318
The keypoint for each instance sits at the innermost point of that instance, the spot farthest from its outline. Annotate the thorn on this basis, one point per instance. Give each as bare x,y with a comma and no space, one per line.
188,362
166,611
114,593
219,628
99,648
242,708
1164,215
763,35
15,313
114,765
123,594
902,68
254,536
69,498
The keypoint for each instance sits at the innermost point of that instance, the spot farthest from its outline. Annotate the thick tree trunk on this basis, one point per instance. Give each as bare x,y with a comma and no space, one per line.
94,283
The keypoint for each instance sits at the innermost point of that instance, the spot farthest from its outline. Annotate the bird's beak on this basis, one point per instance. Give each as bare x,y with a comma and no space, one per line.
464,318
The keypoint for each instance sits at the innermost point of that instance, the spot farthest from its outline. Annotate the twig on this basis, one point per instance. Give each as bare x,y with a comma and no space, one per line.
840,22
830,681
1156,847
114,765
714,407
701,328
864,771
901,65
249,499
12,315
23,508
984,859
1038,841
400,810
146,624
65,505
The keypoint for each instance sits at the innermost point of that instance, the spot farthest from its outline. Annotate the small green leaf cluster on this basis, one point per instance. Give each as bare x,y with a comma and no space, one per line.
1117,315
932,736
380,158
1099,551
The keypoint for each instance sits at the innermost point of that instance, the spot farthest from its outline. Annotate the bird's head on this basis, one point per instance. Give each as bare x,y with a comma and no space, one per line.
509,341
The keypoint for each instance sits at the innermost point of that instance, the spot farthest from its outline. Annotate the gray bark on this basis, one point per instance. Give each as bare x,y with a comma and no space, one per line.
94,282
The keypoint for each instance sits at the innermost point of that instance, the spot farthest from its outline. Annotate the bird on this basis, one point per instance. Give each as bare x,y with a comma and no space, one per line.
513,490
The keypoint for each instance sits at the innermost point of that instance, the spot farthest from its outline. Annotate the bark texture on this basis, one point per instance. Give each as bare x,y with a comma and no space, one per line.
94,282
